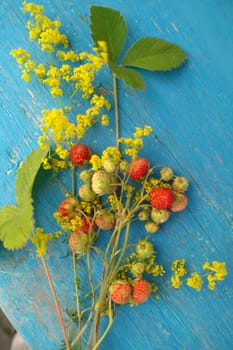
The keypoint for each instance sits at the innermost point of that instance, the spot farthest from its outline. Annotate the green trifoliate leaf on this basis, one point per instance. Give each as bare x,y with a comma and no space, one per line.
130,77
16,225
154,54
109,26
26,175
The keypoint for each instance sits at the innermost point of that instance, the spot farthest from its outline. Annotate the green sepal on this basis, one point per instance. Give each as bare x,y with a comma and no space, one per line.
154,54
108,25
131,77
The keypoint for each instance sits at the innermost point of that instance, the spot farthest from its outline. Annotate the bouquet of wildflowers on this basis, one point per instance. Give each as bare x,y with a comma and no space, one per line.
106,192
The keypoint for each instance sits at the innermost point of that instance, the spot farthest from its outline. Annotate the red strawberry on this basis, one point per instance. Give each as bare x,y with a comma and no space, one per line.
161,198
67,208
180,202
105,220
138,168
80,154
78,242
120,292
141,291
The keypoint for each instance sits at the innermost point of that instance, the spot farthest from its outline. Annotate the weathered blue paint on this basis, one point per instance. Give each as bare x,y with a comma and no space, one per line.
191,112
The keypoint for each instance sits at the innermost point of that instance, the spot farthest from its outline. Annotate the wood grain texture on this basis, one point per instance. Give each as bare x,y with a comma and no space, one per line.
190,110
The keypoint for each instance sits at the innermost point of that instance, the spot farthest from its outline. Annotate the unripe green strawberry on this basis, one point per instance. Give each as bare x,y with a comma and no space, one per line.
80,155
103,183
85,176
137,269
144,249
68,207
180,202
110,165
180,184
161,198
166,174
138,168
144,214
141,291
78,242
105,220
120,292
151,226
160,215
86,193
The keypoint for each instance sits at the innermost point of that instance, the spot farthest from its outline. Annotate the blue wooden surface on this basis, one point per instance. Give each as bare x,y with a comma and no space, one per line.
190,110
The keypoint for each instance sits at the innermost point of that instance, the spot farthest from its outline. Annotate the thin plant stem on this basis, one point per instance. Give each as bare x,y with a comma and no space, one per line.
77,297
57,304
117,127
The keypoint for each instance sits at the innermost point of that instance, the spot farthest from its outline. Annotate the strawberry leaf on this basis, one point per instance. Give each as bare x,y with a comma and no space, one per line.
26,175
130,77
154,54
16,225
16,222
109,26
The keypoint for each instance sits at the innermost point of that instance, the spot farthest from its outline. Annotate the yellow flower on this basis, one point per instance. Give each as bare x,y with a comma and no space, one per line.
176,282
216,272
178,266
195,281
96,162
40,240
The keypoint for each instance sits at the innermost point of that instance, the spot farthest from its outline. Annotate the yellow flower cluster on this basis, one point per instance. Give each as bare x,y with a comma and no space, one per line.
110,154
216,272
25,62
153,183
195,281
179,270
40,240
43,29
135,144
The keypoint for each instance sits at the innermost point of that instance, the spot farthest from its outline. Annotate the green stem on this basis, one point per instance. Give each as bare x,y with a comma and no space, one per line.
77,297
116,110
57,304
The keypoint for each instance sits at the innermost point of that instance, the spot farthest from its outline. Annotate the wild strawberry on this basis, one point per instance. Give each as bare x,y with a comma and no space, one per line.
85,176
166,174
80,154
138,168
180,184
160,215
78,242
105,220
110,165
68,206
86,193
144,249
120,292
180,202
151,226
141,291
103,183
161,198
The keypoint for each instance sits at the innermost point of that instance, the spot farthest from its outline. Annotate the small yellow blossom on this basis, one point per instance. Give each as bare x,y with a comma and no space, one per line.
216,272
95,162
195,281
40,240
